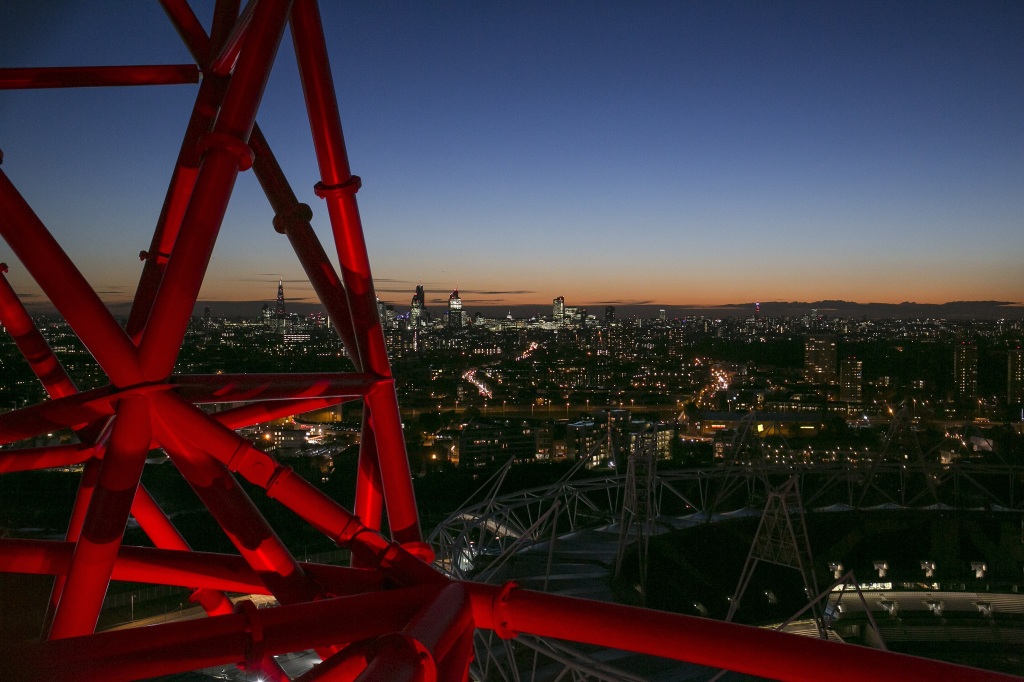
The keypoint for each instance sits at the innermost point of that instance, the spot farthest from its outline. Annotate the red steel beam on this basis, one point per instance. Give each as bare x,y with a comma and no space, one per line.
510,611
226,154
258,544
338,187
184,568
186,168
231,45
292,219
189,28
195,430
72,411
230,388
179,192
96,550
164,649
31,343
83,498
413,653
97,76
161,531
66,288
265,411
47,457
369,502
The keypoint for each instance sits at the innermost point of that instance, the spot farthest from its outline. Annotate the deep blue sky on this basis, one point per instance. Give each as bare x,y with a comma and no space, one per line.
664,152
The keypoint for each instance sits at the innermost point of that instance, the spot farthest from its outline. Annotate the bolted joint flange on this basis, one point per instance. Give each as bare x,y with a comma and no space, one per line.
242,152
297,214
350,186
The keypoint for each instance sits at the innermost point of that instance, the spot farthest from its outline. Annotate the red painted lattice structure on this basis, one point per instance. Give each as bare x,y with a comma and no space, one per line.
391,616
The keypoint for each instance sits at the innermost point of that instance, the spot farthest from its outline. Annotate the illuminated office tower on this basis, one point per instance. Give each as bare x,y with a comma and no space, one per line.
1015,377
820,359
455,310
416,318
558,309
965,370
851,373
609,314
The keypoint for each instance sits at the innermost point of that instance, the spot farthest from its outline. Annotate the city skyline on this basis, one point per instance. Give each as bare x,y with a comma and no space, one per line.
668,155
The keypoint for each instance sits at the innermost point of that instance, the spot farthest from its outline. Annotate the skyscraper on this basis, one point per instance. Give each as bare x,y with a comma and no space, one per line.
455,310
965,370
820,359
850,380
417,309
1015,377
609,313
558,309
280,314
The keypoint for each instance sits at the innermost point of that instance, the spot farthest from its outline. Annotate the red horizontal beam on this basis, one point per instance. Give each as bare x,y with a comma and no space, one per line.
756,651
71,411
220,640
269,410
175,567
228,388
32,459
97,76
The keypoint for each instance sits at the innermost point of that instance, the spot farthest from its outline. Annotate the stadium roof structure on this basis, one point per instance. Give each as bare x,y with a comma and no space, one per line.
391,615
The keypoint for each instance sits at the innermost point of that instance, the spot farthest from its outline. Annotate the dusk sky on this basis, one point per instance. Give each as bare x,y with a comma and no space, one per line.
610,152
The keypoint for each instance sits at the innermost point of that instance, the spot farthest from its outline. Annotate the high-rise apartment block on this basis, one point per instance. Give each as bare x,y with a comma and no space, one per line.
1015,377
820,359
965,370
851,374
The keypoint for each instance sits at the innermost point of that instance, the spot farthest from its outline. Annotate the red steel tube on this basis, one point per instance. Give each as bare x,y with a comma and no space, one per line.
97,76
102,532
293,220
188,26
31,459
164,535
229,504
186,168
455,665
172,212
338,187
756,651
246,529
265,411
343,666
83,498
224,61
72,411
123,655
31,343
199,431
227,153
428,638
66,288
137,564
230,388
369,502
